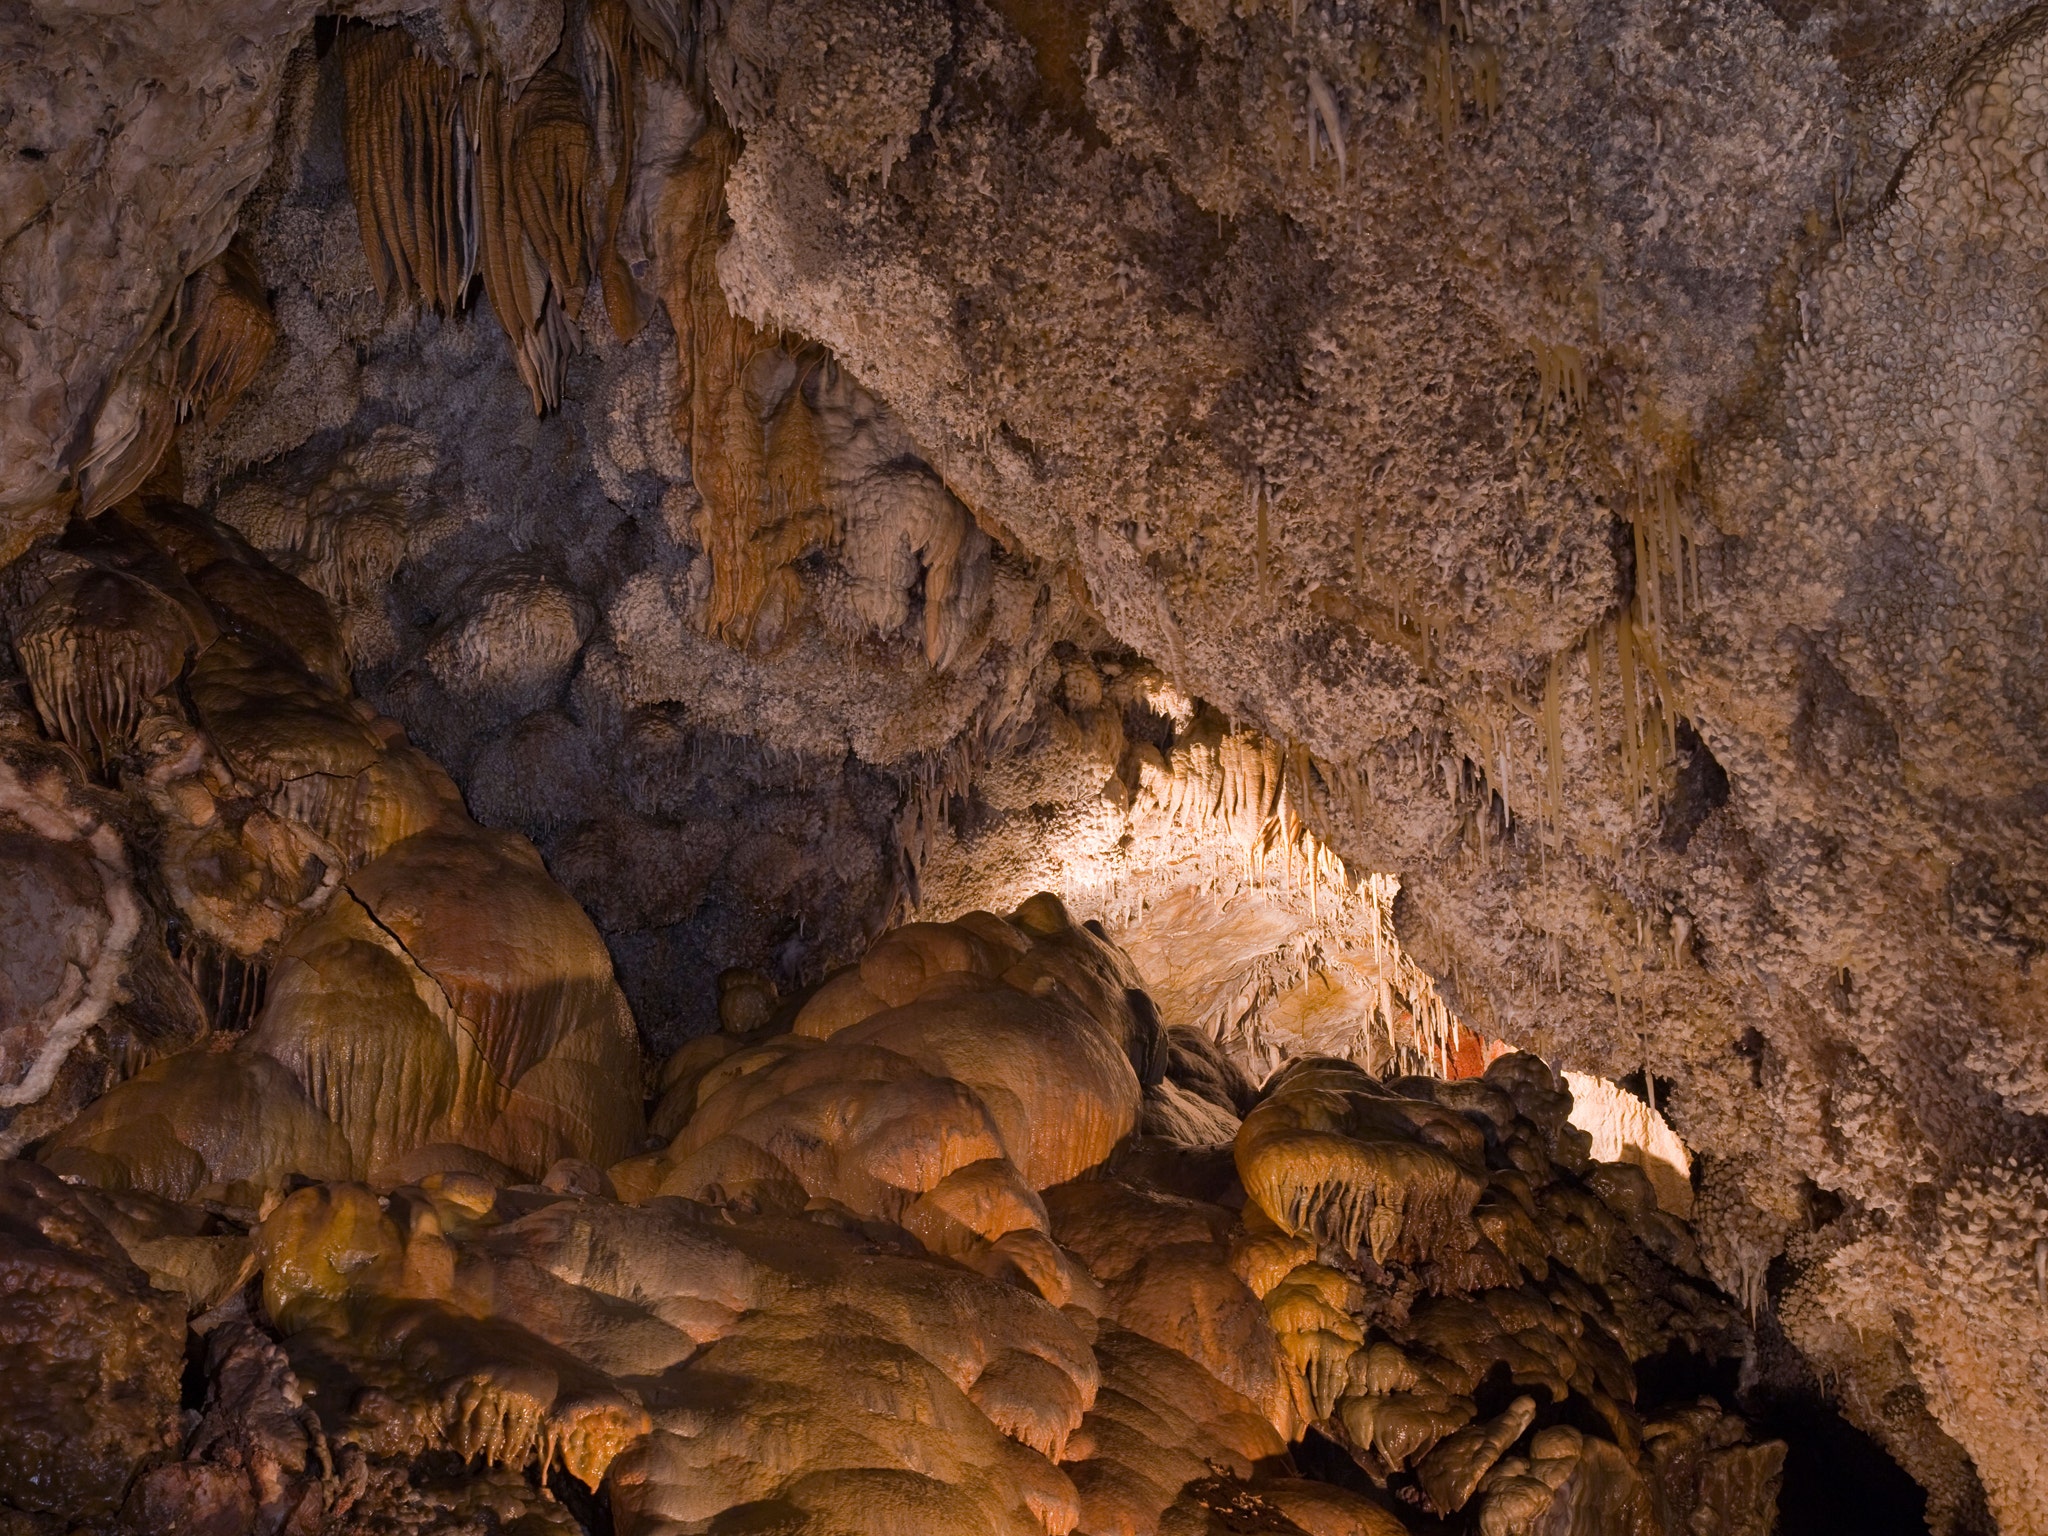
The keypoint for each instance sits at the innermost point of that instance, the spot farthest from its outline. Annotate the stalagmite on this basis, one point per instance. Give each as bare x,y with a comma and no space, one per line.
980,1027
867,1273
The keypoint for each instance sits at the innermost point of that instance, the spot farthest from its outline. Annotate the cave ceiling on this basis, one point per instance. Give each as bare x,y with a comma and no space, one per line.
1438,527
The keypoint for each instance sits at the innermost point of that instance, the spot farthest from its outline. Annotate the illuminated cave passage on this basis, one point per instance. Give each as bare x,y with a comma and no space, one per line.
962,766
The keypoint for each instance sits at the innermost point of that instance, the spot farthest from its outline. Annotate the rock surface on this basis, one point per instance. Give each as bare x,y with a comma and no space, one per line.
1576,468
896,1271
90,1394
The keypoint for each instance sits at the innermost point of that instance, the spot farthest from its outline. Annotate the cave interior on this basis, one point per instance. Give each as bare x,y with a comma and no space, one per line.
1061,767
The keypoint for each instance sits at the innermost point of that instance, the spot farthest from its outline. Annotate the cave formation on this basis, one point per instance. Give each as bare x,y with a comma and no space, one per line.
948,766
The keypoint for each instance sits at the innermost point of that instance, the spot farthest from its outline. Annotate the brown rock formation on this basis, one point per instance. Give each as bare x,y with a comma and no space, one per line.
1432,528
90,1394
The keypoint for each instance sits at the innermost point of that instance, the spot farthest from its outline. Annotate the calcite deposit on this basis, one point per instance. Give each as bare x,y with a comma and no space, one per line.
1161,765
911,1263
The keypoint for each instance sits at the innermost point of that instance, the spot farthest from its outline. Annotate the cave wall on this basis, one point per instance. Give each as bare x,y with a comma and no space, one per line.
1395,382
1336,387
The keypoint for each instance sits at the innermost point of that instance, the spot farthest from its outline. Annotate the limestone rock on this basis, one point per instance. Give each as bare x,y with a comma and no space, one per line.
94,1354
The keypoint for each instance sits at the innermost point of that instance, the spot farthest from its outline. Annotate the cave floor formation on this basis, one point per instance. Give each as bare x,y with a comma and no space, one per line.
1146,766
962,1238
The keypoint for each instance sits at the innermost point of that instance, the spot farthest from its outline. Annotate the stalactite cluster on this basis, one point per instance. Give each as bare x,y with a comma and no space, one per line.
453,178
222,336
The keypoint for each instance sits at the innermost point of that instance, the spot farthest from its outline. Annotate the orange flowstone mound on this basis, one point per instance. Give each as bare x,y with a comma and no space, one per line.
959,1068
425,983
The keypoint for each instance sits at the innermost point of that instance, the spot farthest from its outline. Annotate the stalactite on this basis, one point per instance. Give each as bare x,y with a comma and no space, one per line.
1324,116
619,56
1631,736
369,60
222,333
130,435
411,168
229,987
1661,718
1249,807
749,544
1649,581
1560,379
1483,61
1553,739
450,178
1262,545
793,455
1440,95
532,167
511,283
551,161
1593,638
96,648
